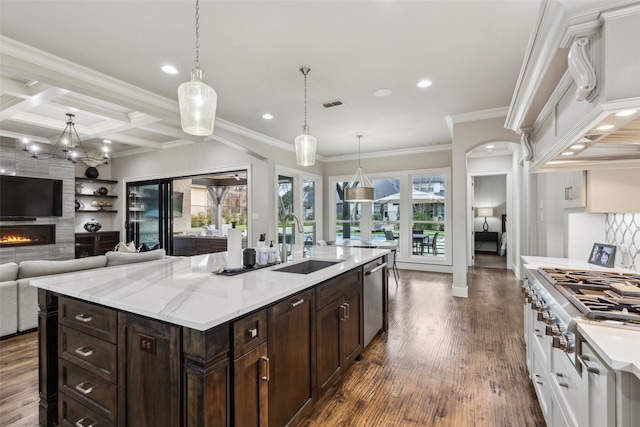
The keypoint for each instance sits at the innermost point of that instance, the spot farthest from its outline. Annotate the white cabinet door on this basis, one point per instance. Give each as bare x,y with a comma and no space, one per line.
599,385
575,189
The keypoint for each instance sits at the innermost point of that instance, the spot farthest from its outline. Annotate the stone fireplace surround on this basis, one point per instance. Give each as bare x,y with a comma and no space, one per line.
14,161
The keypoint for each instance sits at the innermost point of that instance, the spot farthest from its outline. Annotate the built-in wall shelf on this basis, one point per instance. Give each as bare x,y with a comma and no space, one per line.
96,181
97,196
97,210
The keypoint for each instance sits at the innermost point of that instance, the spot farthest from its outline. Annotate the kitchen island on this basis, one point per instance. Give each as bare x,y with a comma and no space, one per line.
171,343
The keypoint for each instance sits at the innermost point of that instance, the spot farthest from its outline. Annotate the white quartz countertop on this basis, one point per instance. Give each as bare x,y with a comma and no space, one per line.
185,291
535,262
618,347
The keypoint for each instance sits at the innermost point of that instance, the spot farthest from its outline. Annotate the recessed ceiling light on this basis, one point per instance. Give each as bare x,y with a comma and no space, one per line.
169,69
568,153
626,113
490,146
267,116
106,141
383,92
577,146
424,83
605,127
32,83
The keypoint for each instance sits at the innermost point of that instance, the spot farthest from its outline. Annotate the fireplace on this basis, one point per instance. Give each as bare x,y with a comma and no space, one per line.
27,235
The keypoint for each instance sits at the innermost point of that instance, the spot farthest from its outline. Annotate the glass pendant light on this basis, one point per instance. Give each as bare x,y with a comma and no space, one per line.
305,143
359,188
197,100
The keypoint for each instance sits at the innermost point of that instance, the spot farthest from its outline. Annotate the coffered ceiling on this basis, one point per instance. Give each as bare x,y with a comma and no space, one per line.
101,61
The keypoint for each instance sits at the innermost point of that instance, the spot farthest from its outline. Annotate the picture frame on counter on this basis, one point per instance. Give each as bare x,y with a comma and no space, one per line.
602,255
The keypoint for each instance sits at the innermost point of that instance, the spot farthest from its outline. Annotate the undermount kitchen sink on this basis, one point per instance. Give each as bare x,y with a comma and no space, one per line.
306,267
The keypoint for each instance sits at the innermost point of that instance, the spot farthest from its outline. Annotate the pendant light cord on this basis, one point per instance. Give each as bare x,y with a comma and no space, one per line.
197,63
358,136
305,126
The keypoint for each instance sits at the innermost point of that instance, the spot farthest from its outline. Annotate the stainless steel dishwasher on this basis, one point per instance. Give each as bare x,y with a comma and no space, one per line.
374,274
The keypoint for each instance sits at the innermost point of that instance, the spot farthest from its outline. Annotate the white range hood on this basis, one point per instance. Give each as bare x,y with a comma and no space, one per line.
577,100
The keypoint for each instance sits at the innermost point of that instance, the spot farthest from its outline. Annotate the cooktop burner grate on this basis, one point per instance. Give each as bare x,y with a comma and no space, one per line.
599,294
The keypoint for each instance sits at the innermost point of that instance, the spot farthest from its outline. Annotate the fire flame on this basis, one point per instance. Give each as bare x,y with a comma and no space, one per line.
14,239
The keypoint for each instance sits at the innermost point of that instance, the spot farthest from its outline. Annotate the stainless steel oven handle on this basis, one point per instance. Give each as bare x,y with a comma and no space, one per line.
380,267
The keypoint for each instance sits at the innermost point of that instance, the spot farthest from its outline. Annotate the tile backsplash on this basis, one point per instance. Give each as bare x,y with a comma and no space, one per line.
622,230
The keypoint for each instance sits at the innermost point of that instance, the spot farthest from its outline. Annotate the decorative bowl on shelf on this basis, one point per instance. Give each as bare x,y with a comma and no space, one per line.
102,191
92,226
91,173
77,204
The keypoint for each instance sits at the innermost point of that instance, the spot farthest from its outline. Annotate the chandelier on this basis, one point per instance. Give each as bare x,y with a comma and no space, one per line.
197,100
66,148
359,188
305,143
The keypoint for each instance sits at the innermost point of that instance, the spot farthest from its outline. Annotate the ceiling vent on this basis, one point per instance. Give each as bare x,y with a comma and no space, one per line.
594,136
335,103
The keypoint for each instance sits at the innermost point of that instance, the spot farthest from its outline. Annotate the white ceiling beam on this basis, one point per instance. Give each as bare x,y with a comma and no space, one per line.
28,104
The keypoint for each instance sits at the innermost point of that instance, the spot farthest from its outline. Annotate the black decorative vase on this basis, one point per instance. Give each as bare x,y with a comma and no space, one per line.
91,172
92,226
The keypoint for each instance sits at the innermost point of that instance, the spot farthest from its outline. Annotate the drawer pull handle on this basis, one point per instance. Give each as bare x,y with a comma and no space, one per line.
583,358
538,333
265,361
560,379
84,318
85,387
253,332
86,422
84,351
538,379
297,303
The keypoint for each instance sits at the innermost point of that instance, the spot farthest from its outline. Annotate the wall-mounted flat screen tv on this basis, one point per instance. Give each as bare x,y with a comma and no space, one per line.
30,197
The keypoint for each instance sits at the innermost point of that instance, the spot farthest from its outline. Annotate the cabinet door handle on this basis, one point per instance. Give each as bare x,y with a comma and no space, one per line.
348,307
296,303
85,387
343,311
84,318
538,333
265,367
538,379
86,422
583,358
253,332
560,379
84,351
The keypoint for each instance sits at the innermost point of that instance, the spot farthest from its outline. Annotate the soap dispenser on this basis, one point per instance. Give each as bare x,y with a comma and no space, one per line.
261,249
272,257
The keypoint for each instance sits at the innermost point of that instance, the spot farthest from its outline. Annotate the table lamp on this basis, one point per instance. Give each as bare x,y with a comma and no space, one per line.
485,212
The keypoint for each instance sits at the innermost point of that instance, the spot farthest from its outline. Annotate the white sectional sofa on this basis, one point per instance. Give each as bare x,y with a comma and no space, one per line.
19,300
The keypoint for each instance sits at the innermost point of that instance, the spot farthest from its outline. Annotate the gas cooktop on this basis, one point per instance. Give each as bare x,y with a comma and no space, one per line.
599,294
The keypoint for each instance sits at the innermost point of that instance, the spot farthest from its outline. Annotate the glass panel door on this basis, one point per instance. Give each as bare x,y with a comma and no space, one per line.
149,214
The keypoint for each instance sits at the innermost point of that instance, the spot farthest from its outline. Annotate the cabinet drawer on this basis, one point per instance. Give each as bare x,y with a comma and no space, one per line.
566,384
249,333
93,354
73,414
328,291
94,320
92,391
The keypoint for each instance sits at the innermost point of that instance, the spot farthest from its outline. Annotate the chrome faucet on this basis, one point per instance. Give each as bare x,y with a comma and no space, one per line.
284,234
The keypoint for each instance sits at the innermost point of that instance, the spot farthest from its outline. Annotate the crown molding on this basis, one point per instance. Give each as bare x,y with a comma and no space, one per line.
392,153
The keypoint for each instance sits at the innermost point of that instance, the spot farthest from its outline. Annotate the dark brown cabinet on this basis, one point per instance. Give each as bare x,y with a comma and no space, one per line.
339,329
92,244
149,372
291,326
251,371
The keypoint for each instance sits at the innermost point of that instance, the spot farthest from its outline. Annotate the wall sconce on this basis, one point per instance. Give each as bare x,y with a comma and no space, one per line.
485,212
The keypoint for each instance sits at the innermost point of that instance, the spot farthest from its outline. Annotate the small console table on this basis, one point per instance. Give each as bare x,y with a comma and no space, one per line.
482,237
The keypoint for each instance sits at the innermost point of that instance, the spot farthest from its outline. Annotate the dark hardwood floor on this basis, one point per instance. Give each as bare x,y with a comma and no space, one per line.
444,362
